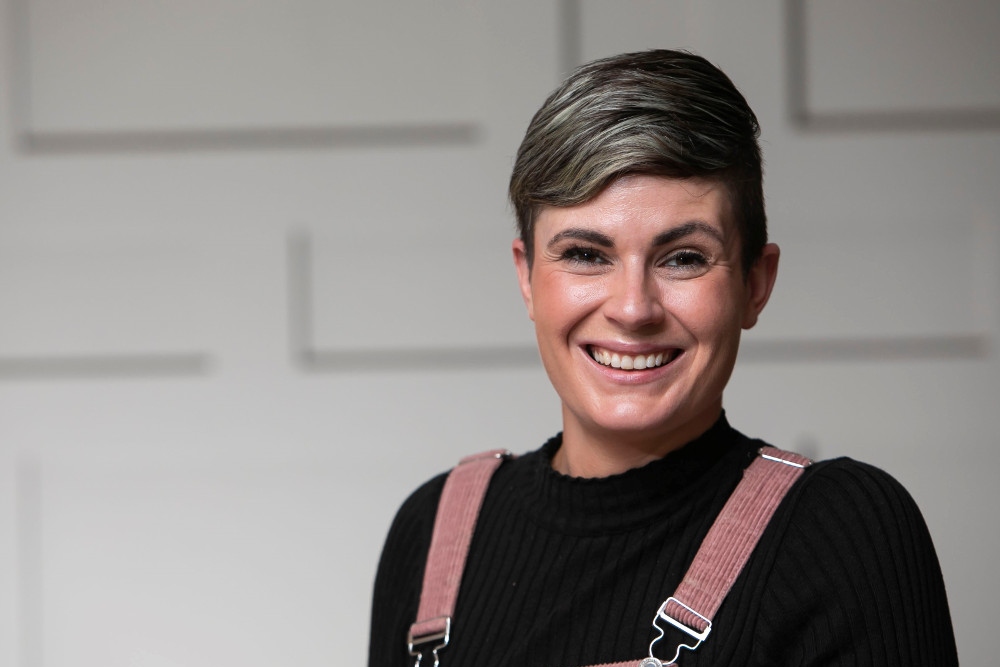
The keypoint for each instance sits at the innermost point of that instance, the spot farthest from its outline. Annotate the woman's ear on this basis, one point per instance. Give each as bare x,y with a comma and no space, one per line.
759,283
523,274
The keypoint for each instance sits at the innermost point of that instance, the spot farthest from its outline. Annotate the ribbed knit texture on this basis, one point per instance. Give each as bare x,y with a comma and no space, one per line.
567,572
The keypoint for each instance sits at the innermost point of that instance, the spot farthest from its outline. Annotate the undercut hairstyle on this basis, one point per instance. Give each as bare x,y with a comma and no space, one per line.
661,113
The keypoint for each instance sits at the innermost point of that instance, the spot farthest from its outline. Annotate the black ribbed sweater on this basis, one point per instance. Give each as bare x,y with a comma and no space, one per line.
565,572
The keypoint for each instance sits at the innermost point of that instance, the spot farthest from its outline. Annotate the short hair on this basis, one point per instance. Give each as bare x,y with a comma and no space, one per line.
659,112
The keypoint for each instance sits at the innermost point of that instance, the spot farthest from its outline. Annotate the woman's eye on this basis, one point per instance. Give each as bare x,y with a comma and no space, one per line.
686,259
579,255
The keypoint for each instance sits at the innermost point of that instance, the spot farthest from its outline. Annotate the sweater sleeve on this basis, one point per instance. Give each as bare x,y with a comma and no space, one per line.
399,575
856,580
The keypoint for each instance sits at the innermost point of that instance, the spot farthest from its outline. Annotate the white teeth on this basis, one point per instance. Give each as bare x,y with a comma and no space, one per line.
628,362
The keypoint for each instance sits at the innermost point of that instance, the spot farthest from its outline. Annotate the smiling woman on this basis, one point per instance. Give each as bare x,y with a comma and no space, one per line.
638,302
642,255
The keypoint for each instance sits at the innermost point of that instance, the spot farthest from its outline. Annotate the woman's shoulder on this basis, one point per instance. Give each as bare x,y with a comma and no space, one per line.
409,536
851,562
861,537
419,508
855,494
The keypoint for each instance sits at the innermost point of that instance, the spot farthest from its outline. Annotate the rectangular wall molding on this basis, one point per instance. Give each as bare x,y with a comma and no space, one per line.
311,358
800,82
251,139
889,349
83,367
80,87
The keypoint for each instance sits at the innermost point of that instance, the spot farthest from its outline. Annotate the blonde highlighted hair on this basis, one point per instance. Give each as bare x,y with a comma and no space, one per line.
660,112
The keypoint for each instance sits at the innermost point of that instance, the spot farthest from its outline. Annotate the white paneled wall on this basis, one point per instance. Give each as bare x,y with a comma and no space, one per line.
95,66
255,287
886,57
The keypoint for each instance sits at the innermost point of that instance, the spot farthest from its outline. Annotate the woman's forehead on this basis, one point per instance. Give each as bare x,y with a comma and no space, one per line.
653,202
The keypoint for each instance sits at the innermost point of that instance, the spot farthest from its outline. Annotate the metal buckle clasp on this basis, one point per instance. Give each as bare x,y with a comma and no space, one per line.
417,645
698,635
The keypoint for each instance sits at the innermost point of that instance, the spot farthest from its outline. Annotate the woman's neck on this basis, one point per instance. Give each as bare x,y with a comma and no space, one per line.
591,453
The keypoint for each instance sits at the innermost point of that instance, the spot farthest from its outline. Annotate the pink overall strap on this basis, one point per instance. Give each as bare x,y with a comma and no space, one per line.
720,559
726,548
454,525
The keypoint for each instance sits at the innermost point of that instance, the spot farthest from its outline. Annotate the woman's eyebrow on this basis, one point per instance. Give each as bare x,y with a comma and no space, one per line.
588,235
663,238
688,228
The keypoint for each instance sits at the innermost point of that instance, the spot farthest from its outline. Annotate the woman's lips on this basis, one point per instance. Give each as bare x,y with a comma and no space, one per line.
630,362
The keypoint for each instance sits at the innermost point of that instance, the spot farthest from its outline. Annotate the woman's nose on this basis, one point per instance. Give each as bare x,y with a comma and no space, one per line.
634,301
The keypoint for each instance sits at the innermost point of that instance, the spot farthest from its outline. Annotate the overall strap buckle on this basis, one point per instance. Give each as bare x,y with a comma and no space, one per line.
432,634
697,628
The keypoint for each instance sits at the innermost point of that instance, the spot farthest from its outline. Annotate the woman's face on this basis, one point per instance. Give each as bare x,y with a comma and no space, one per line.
638,301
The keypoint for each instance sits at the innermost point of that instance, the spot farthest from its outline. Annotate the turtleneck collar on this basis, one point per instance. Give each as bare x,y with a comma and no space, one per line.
632,498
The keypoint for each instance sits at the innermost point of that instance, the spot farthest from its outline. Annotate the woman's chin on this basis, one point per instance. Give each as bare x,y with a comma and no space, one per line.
657,425
624,423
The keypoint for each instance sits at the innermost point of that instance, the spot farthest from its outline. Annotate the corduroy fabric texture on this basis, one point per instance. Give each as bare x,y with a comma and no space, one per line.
464,490
565,572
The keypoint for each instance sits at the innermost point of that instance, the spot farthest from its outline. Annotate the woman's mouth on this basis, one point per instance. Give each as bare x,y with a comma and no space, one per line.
630,362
